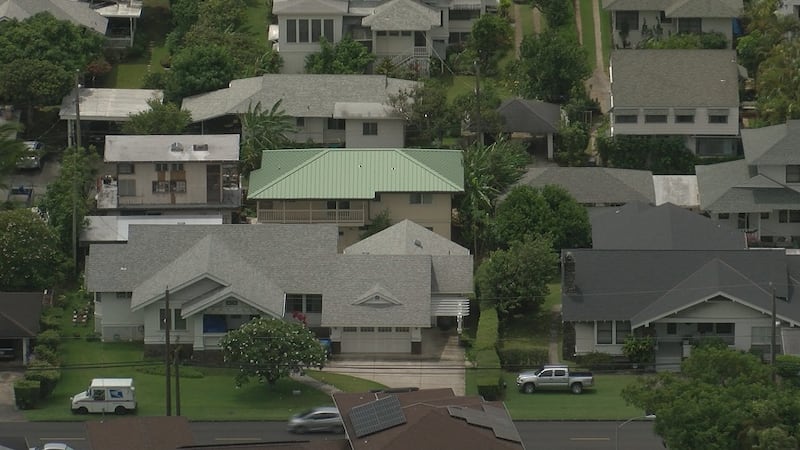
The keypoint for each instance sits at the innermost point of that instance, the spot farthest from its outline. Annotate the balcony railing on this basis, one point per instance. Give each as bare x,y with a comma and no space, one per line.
337,216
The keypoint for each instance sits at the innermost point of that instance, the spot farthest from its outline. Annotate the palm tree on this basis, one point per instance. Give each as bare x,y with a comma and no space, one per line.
262,130
11,149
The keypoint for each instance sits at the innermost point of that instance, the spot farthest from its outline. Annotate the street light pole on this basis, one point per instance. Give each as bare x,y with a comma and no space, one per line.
616,435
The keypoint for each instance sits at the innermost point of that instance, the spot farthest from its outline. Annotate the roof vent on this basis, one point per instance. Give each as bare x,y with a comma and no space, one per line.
418,243
200,147
176,147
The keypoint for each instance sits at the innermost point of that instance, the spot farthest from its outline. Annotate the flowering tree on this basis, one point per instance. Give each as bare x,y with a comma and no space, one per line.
269,349
30,258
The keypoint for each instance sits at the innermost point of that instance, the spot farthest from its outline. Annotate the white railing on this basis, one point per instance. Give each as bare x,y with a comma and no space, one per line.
338,216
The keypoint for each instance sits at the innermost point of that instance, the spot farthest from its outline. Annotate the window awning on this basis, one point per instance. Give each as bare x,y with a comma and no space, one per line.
450,307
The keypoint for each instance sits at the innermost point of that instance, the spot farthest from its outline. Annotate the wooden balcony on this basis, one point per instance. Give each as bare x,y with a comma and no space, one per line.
351,217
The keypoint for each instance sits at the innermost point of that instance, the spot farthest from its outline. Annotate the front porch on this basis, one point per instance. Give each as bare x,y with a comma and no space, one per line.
340,213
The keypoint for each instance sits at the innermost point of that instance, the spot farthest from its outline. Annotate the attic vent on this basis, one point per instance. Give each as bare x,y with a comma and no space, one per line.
569,273
200,147
176,147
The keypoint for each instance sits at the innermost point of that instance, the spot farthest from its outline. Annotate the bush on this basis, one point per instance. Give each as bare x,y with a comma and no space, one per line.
26,393
49,322
489,380
186,371
516,358
49,338
93,337
46,354
46,374
597,361
788,367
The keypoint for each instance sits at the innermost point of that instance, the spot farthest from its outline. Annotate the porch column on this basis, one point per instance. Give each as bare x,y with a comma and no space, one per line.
25,346
550,146
197,327
70,134
374,42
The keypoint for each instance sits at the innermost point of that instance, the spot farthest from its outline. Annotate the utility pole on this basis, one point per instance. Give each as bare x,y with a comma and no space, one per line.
477,64
167,353
177,380
75,171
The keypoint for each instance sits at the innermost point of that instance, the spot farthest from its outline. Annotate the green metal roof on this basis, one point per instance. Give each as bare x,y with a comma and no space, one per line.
354,173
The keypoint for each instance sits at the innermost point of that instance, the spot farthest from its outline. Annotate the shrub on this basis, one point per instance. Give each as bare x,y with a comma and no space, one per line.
639,350
489,379
46,354
46,374
26,393
49,338
597,361
49,322
516,358
93,337
186,371
788,367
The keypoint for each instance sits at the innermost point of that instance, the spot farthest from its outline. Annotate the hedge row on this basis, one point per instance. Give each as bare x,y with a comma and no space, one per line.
43,373
517,358
490,375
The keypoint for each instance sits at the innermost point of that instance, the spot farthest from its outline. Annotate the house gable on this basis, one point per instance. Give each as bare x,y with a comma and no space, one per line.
402,15
377,297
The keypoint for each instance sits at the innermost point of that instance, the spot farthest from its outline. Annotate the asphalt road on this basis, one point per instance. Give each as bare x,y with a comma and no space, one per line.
535,435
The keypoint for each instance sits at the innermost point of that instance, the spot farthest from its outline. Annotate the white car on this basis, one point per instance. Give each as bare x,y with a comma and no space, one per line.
324,418
53,446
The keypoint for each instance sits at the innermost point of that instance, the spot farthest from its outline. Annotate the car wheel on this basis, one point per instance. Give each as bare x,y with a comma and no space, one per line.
82,410
529,388
577,388
120,410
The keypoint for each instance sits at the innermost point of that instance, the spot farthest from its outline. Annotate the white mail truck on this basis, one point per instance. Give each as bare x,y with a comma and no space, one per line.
106,395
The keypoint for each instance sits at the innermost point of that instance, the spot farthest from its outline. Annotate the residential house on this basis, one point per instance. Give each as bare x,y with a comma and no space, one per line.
789,8
331,110
171,174
20,313
678,297
218,277
693,94
427,419
351,187
402,31
102,110
597,188
633,21
531,118
114,19
640,226
759,194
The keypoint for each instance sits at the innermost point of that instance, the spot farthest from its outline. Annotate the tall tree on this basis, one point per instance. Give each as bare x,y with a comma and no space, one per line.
30,258
488,172
426,111
778,84
161,118
548,211
722,399
199,69
262,130
478,110
346,57
11,149
491,38
551,64
32,83
269,349
515,280
70,193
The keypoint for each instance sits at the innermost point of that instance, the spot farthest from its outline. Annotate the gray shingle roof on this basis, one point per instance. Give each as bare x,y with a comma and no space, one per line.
643,286
675,78
402,15
309,7
19,314
595,184
773,145
529,116
78,13
302,95
713,180
637,226
679,8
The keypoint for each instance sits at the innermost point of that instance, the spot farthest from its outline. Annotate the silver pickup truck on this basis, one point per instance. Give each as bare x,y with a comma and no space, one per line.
554,378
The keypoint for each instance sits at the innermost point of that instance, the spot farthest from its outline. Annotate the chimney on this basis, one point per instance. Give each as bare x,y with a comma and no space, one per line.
569,273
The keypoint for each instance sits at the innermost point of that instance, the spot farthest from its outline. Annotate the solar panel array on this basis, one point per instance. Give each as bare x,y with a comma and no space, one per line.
490,417
376,416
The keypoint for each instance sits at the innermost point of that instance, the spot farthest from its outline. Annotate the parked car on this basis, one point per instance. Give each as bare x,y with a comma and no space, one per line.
554,377
32,159
53,446
7,349
323,418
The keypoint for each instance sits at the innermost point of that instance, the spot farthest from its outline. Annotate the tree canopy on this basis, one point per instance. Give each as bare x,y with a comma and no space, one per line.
663,155
547,211
268,349
11,149
426,111
30,258
199,69
34,82
161,118
550,65
722,399
262,130
491,37
515,280
346,57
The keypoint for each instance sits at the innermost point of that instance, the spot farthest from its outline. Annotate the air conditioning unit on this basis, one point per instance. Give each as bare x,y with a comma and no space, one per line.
200,147
176,147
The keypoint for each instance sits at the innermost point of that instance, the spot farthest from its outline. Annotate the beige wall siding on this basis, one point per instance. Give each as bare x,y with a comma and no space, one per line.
435,215
145,174
391,134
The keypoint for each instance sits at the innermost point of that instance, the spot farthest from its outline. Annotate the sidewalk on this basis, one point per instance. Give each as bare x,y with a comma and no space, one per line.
8,410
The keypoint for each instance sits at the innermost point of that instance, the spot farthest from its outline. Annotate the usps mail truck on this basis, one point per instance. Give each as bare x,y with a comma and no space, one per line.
106,395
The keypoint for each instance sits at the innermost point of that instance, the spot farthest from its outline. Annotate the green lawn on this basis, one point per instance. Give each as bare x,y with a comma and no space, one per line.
587,31
257,20
525,19
604,402
605,34
344,382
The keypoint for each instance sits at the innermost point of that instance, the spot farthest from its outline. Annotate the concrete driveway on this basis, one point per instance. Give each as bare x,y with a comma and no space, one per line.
441,365
8,410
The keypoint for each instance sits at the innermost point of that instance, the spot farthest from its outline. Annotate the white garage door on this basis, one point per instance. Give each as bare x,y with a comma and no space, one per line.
376,340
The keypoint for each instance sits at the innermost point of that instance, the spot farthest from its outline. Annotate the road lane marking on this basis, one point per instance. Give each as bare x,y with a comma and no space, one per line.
590,439
238,439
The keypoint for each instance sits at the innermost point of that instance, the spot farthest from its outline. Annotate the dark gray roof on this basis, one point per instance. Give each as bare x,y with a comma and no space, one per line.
714,180
529,116
730,187
78,13
20,313
644,285
675,78
399,15
679,8
773,145
595,184
639,226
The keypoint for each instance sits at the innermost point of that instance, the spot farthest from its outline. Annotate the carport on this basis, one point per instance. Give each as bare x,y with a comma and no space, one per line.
531,118
19,321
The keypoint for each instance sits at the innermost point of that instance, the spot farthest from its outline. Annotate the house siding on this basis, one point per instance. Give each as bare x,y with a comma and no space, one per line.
701,125
653,18
117,320
391,134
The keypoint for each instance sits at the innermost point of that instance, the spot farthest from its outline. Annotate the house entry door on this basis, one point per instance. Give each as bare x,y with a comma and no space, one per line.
213,184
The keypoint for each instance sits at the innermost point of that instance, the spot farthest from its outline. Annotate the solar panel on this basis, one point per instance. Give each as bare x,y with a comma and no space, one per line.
376,416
